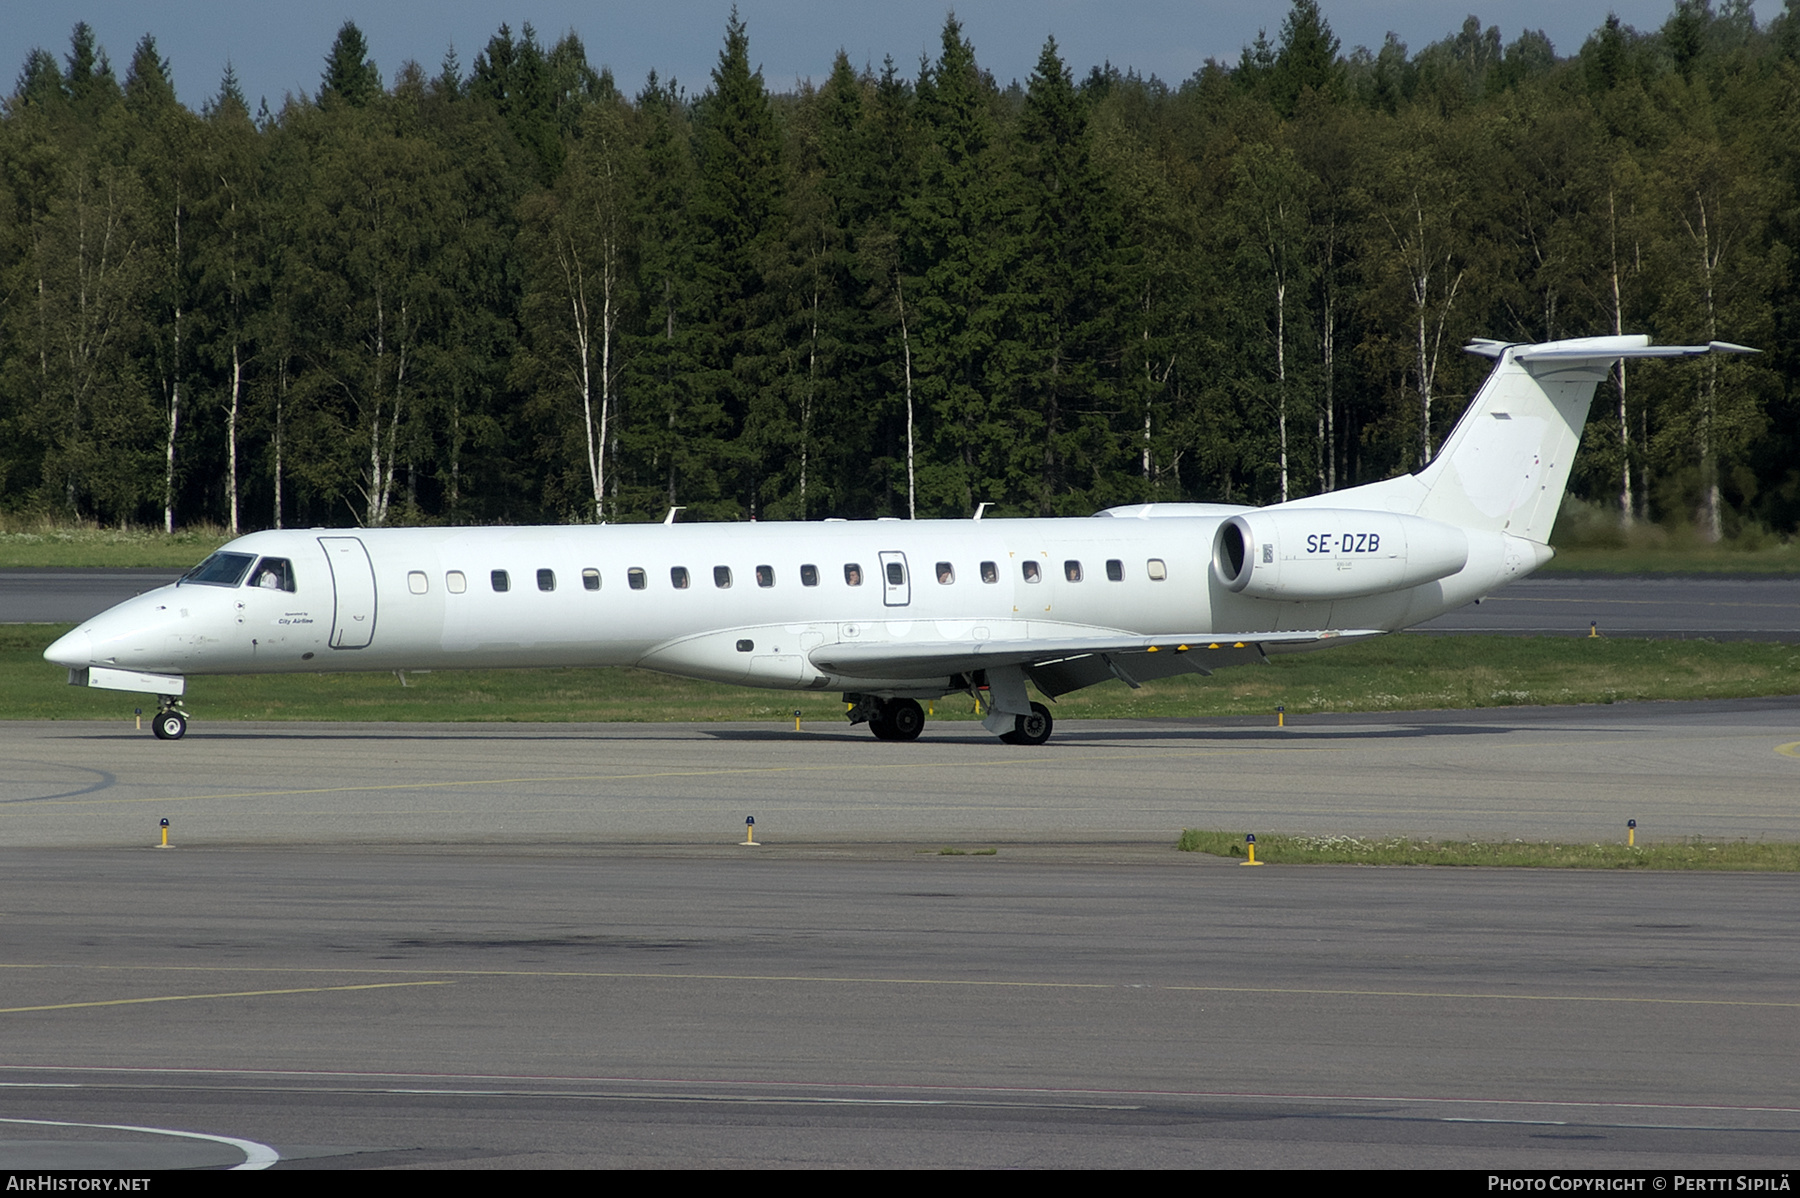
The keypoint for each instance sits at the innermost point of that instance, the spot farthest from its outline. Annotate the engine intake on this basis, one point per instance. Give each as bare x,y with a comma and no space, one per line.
1303,554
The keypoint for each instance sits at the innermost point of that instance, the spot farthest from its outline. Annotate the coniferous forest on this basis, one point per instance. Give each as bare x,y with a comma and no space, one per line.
519,292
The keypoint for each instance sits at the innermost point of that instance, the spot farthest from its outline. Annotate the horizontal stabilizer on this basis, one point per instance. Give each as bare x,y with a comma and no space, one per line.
1599,349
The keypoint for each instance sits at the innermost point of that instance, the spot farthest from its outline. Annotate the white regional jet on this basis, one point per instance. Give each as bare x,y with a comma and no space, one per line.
891,612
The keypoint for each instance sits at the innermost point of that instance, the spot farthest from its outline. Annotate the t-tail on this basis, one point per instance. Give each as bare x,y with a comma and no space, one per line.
1506,464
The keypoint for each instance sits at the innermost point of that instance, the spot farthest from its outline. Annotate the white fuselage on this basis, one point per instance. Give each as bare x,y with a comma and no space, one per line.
891,611
429,600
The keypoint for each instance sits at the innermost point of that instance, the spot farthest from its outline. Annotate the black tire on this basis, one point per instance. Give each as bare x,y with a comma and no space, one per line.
1033,729
905,719
882,724
169,725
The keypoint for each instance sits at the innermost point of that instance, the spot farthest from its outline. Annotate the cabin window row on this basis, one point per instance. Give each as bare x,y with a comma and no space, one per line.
1032,572
456,582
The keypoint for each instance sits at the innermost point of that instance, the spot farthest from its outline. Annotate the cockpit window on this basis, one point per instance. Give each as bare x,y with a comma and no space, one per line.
277,574
221,569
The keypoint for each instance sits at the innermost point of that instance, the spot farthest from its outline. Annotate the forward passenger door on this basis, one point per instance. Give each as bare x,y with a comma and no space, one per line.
353,584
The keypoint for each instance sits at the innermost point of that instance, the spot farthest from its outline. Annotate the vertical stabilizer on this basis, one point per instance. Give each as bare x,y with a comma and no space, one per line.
1506,463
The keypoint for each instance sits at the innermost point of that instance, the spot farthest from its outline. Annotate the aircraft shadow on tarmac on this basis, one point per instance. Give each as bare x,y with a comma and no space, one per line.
1066,735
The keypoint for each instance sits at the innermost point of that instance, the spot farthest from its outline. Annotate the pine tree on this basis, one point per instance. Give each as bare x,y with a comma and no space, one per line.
226,215
954,267
164,151
1057,369
350,75
738,218
1306,58
514,78
661,442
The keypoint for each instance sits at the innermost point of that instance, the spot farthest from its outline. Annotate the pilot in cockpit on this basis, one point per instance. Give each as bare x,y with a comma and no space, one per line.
271,575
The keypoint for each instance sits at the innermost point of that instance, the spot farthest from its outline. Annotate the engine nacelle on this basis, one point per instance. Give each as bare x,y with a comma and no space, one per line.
1333,553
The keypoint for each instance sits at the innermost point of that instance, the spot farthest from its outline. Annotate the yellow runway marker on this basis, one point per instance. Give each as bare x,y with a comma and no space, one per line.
126,1002
1791,749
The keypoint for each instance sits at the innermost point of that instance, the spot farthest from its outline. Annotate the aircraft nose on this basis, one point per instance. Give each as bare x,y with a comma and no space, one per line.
73,649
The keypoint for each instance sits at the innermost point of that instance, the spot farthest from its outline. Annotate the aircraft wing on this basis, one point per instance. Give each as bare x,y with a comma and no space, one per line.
1062,664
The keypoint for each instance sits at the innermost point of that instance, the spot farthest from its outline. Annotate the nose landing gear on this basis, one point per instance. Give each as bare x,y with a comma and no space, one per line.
170,722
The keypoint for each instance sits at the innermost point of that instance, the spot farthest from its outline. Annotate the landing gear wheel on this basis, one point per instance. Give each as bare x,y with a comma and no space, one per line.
169,725
1033,729
905,719
882,723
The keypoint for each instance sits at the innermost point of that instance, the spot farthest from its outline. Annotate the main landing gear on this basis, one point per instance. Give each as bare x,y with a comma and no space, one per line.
904,719
170,722
889,719
1033,729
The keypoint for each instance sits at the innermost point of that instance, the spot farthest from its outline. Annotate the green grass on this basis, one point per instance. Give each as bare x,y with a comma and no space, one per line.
43,543
1395,673
1588,540
1773,559
1350,850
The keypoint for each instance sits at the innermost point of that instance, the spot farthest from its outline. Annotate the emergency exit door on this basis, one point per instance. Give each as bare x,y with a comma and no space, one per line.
896,582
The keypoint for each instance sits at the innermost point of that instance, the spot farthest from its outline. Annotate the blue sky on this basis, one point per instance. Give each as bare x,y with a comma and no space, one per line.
278,46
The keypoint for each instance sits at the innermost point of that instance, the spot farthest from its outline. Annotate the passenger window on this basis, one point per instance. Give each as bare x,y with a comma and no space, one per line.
500,581
679,576
852,574
896,574
546,580
277,574
809,576
590,579
415,581
722,577
1030,570
1072,571
765,576
990,572
946,574
636,579
455,582
1115,570
1158,571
